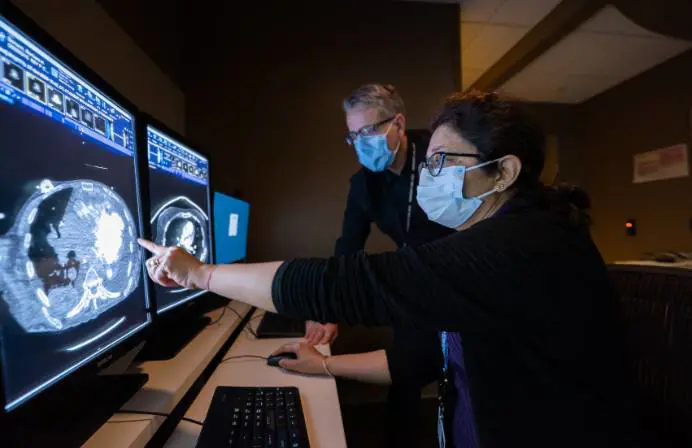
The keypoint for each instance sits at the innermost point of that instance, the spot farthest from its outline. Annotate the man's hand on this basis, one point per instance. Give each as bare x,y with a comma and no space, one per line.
317,333
308,361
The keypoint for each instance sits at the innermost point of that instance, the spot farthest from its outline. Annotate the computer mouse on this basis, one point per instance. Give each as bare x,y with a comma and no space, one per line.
274,360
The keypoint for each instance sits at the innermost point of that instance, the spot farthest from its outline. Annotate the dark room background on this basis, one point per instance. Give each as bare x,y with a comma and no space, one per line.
260,87
266,97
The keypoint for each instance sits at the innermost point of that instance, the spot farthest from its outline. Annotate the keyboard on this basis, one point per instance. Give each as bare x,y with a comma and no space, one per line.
277,326
255,417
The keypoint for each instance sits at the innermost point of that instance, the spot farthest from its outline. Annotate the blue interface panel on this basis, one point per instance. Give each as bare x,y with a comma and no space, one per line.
34,79
231,222
72,283
175,158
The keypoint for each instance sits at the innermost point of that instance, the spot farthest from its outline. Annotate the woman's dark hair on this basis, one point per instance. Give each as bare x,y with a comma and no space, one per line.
497,128
577,203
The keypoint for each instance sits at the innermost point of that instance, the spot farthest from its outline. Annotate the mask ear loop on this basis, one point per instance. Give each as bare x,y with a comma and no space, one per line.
498,188
389,128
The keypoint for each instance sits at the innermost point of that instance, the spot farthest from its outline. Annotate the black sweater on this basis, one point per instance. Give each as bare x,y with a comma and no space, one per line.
414,357
530,295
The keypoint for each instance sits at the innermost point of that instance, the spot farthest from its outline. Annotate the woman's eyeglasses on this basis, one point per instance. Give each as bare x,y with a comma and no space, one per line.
370,129
437,161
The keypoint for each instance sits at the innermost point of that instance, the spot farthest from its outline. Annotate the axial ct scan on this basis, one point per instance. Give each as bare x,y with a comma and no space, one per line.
70,256
182,223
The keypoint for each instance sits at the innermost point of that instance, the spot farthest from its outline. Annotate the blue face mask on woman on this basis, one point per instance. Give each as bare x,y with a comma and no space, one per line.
442,197
373,151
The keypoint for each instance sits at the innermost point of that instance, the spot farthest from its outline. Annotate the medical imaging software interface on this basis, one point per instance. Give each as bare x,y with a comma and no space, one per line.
71,274
179,194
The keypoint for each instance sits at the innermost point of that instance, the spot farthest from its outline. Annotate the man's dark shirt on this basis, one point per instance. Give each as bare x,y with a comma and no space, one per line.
414,358
382,198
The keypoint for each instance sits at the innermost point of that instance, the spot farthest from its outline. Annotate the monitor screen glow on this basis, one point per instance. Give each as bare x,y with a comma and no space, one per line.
179,197
231,222
72,282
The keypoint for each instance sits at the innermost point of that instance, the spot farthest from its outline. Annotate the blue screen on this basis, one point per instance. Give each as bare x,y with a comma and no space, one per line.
72,283
231,222
179,196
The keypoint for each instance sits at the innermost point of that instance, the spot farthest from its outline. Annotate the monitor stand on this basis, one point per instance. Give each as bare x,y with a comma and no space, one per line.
71,417
171,336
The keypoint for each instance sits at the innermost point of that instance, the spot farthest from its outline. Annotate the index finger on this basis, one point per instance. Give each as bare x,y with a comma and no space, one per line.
291,347
151,246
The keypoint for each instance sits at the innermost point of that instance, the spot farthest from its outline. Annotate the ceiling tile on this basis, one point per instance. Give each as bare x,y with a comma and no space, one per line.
610,20
469,76
491,43
469,32
479,10
571,89
584,53
605,51
523,12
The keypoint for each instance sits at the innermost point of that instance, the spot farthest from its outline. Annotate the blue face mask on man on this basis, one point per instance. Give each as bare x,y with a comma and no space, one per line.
442,197
373,151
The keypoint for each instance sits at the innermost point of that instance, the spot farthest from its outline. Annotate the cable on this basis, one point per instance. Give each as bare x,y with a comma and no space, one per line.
228,307
218,319
247,326
251,331
160,414
243,356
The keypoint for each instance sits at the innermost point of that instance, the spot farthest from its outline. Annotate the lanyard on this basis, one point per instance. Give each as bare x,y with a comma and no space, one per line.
441,434
412,186
445,351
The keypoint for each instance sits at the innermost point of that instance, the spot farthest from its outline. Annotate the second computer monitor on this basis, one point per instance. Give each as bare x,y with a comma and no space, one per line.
179,200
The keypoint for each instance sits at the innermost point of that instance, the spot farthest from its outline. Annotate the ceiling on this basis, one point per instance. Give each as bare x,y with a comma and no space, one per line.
505,44
490,28
603,51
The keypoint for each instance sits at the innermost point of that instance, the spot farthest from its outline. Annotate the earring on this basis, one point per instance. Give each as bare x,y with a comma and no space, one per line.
500,186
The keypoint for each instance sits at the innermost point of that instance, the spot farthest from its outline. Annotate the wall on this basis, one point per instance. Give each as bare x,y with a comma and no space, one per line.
87,31
268,98
647,112
557,121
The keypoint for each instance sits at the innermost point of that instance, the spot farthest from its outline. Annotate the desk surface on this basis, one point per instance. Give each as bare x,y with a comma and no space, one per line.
683,264
168,383
318,395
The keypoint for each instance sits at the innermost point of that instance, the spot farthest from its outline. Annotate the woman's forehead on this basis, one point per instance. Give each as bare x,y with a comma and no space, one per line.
446,138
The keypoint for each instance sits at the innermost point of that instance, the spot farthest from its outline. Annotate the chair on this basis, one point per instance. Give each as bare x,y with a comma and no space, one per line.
656,306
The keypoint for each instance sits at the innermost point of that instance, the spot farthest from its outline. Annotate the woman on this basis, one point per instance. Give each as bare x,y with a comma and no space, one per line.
521,283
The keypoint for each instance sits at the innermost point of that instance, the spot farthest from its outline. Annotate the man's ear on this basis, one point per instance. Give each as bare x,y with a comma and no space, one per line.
509,168
401,121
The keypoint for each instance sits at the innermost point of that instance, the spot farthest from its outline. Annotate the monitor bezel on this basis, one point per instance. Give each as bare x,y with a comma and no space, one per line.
41,37
145,121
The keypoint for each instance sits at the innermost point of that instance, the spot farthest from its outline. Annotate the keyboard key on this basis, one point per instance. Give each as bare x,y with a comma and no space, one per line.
282,438
281,419
270,422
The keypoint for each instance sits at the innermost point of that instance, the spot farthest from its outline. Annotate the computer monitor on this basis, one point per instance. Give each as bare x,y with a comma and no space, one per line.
72,285
231,221
179,204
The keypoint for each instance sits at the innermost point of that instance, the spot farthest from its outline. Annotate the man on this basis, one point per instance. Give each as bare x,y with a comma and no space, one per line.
383,192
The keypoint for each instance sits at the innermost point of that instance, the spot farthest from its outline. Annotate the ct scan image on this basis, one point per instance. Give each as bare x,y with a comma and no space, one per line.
71,272
179,217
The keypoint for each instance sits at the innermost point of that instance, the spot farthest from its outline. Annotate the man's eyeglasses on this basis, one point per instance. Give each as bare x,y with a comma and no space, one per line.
370,129
436,162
